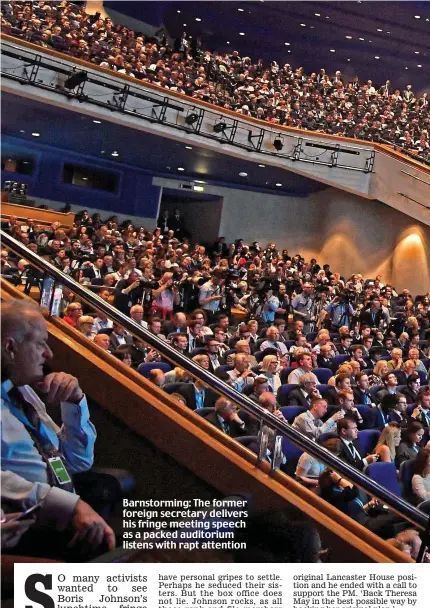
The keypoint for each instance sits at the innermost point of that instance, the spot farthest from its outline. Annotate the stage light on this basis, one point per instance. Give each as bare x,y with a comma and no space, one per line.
191,118
220,127
278,144
75,80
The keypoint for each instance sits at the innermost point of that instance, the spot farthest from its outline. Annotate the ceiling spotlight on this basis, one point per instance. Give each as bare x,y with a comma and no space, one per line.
332,50
243,174
317,14
36,134
75,80
241,33
419,66
406,68
279,185
199,181
241,10
348,59
262,166
278,143
103,152
220,127
97,122
191,118
22,131
198,19
303,24
287,44
188,147
184,24
348,37
178,11
115,153
417,52
289,51
228,41
362,39
388,32
417,17
379,30
181,169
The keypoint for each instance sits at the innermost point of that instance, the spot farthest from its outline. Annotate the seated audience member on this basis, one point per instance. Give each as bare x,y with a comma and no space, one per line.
202,360
414,355
103,341
226,419
298,330
379,371
305,365
310,424
272,341
213,352
136,314
422,411
397,409
390,387
342,383
408,369
178,398
325,358
85,325
301,343
177,375
305,392
200,315
73,312
154,326
241,375
347,431
388,443
177,325
195,335
421,478
27,476
242,346
123,354
267,401
309,468
396,361
340,493
345,399
180,343
411,538
411,442
197,395
270,369
344,345
156,376
361,390
260,386
119,337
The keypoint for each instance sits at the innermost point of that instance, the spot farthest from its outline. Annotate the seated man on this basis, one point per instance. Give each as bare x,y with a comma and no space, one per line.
346,403
226,418
241,374
242,346
310,424
390,387
342,382
349,450
272,341
37,456
197,395
305,364
305,392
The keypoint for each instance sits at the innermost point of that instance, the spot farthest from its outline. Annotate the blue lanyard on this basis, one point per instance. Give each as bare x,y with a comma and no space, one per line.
40,432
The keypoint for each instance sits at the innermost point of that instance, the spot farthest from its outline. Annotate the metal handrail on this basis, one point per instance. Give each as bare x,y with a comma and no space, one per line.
400,506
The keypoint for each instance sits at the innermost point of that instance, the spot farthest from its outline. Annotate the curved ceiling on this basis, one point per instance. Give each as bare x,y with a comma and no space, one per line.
376,40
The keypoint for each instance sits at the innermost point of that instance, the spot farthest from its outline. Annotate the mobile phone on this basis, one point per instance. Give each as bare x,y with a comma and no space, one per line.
27,513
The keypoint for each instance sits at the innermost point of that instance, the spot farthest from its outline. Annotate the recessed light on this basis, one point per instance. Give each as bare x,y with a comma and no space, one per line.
287,43
289,51
370,41
181,169
332,50
22,131
228,41
279,185
178,12
311,27
348,37
417,52
419,66
303,24
388,32
198,19
327,17
241,33
262,166
114,153
417,17
189,147
36,134
97,122
103,152
348,59
184,24
406,68
362,39
241,10
317,14
377,57
199,181
243,174
85,179
379,30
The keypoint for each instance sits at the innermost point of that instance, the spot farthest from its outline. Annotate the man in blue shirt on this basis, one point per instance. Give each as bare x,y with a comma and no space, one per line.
37,455
340,311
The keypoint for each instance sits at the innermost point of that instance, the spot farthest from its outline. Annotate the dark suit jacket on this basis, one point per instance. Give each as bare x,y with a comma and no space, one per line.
346,456
359,396
411,397
187,391
296,397
330,395
366,318
235,429
114,341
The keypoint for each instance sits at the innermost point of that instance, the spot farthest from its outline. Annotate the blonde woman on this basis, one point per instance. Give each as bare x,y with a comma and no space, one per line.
85,325
202,360
379,371
388,442
414,355
396,361
270,368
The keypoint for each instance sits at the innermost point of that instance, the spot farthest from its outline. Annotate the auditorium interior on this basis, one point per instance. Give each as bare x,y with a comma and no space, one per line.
185,186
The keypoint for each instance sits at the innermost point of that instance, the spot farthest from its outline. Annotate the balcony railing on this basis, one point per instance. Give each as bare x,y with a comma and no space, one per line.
396,504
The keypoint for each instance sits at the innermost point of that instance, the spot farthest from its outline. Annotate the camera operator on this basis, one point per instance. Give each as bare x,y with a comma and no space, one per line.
128,292
340,311
211,294
303,307
373,314
165,294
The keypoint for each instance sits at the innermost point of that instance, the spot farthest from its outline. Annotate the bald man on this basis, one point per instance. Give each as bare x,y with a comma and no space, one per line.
38,457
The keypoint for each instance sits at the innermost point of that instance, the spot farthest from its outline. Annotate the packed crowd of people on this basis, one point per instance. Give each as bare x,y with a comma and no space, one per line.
327,353
283,95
